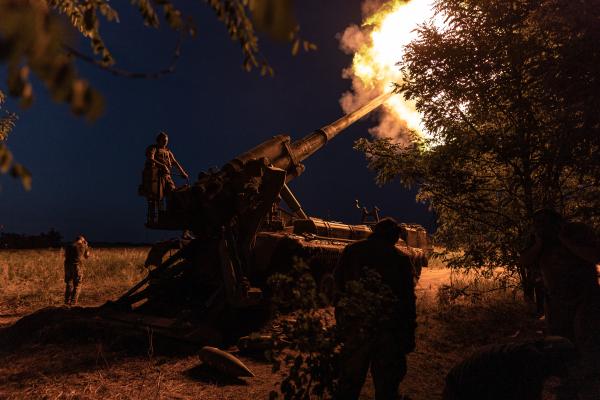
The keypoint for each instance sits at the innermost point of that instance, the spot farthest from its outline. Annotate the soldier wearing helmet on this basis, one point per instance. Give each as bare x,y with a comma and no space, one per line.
75,252
390,336
157,181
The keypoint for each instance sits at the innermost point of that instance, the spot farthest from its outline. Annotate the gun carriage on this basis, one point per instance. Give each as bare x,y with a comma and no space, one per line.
241,235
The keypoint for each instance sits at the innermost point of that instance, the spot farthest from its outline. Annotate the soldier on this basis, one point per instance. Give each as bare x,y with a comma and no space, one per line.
382,347
156,178
513,371
74,254
567,254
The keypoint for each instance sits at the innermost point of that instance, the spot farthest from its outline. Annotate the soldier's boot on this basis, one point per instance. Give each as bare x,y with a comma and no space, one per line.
68,293
75,294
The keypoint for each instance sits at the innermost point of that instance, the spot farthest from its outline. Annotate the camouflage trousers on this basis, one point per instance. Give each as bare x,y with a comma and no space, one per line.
580,323
386,358
73,277
156,203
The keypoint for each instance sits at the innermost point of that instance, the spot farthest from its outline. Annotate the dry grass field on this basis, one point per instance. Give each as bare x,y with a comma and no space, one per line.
450,326
31,279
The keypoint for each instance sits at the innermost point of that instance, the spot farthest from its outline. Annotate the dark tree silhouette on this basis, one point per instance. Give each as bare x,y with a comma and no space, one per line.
509,91
34,40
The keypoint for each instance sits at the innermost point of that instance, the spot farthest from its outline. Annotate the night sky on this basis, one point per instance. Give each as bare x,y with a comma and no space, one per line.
85,175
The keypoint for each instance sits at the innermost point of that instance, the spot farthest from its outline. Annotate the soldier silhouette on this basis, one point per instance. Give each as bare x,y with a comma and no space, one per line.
157,181
75,252
384,346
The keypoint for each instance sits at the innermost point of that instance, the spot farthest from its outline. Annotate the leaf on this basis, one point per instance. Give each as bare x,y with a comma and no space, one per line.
274,17
6,159
19,171
296,47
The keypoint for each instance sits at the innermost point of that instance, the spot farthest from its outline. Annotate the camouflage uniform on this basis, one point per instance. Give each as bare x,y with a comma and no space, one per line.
74,254
513,371
163,182
157,181
384,347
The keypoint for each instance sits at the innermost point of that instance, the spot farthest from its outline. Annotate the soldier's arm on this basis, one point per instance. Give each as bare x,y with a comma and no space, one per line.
581,241
179,167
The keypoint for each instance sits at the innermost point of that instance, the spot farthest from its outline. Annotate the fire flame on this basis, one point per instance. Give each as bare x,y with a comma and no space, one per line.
378,45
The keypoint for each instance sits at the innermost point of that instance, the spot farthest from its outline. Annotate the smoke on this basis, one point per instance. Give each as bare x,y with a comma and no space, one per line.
370,7
357,40
352,39
392,127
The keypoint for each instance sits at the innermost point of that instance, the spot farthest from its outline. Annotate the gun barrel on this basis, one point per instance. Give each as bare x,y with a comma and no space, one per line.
287,155
336,127
308,145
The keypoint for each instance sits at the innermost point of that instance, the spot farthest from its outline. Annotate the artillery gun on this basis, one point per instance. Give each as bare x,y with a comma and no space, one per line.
241,236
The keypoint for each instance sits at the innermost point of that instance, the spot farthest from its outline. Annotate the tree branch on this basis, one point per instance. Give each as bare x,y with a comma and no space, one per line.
129,74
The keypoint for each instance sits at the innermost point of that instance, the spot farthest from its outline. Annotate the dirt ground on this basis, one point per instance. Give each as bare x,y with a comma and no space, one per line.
88,369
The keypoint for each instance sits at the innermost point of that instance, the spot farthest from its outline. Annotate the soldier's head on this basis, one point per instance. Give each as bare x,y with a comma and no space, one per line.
162,139
547,223
80,238
387,229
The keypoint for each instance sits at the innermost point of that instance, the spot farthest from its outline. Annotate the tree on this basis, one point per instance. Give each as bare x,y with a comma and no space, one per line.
509,92
7,163
34,40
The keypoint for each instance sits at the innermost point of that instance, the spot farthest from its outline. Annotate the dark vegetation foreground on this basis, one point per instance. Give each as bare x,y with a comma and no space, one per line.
44,356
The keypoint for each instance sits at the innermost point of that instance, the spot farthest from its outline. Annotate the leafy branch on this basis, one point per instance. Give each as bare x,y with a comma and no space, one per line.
7,163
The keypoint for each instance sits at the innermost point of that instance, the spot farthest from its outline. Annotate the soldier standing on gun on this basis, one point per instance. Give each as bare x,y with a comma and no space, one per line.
384,346
567,254
74,254
157,181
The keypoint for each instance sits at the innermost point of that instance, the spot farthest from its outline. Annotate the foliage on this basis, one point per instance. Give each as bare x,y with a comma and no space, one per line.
36,277
508,91
7,164
296,289
311,343
366,306
476,289
307,343
274,17
35,39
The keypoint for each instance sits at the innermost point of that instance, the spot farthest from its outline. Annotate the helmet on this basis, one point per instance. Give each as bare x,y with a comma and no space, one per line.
162,135
388,229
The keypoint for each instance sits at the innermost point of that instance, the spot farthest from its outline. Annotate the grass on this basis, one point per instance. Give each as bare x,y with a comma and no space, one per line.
30,279
453,320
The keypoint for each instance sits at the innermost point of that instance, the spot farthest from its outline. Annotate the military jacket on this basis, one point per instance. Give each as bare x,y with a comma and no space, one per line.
75,253
162,155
